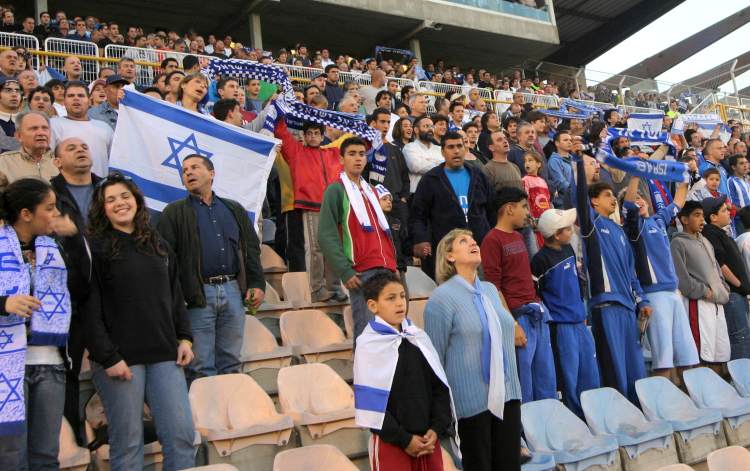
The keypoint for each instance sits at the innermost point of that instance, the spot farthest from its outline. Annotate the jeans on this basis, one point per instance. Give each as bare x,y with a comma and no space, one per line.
735,312
162,385
38,447
361,315
218,330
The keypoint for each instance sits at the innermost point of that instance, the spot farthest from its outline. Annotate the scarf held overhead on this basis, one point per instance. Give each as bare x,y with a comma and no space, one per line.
286,103
49,325
664,170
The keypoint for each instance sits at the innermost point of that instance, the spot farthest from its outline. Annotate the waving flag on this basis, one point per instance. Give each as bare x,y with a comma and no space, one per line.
646,122
153,137
706,124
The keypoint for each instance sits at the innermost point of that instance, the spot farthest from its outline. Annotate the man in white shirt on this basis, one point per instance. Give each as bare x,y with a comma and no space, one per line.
423,154
96,134
370,92
325,58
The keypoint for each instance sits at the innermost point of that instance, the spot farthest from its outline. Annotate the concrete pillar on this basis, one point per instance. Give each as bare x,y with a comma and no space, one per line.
39,6
256,36
414,46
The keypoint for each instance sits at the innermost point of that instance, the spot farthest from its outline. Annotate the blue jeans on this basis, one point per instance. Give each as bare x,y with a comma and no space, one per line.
735,312
162,385
218,330
361,315
38,447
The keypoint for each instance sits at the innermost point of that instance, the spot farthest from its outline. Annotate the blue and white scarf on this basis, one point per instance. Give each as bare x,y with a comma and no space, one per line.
357,203
49,325
287,104
664,170
375,366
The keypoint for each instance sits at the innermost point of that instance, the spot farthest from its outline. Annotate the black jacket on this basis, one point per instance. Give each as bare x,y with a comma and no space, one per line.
436,211
727,253
179,226
396,178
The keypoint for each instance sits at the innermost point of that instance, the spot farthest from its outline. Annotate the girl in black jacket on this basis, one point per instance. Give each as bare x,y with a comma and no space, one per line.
137,329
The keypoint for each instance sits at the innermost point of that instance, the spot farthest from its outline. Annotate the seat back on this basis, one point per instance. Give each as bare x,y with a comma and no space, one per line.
212,398
257,339
676,467
269,231
609,412
419,284
214,467
68,444
348,322
549,426
731,458
416,312
272,296
313,388
661,399
739,370
270,259
707,388
309,327
296,288
313,458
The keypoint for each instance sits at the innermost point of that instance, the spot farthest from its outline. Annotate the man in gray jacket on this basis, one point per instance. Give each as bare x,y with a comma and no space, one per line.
702,285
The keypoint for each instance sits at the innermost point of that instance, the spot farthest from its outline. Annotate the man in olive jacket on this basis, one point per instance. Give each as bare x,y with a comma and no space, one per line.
219,261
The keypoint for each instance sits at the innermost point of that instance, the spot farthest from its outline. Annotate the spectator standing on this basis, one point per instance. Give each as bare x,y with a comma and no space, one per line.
354,233
370,92
701,284
333,92
473,335
138,345
713,155
96,134
8,63
41,99
506,265
422,154
72,69
739,188
34,158
219,262
107,112
537,190
500,171
526,143
80,33
10,104
450,195
560,175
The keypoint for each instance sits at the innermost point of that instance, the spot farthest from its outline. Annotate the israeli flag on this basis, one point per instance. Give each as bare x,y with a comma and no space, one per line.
153,137
705,123
646,122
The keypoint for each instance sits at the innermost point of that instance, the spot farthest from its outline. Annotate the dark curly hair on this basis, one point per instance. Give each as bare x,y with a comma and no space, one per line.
99,227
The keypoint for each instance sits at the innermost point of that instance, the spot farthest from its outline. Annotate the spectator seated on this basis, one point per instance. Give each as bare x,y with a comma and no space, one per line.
261,355
644,444
313,458
551,428
72,457
419,285
697,431
322,407
317,339
708,390
739,370
238,421
729,459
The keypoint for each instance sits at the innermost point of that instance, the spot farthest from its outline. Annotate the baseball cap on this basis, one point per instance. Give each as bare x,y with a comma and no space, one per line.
553,220
5,79
95,83
114,79
712,205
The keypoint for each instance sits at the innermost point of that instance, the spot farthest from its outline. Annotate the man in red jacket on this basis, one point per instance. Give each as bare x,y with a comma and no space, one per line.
312,169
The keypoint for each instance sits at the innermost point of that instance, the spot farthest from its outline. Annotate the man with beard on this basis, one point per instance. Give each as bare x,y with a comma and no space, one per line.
423,154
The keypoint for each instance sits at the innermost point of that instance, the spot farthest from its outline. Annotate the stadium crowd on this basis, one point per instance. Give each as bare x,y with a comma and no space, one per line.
529,237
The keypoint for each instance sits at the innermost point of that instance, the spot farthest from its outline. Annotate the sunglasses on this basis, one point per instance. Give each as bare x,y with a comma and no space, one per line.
115,177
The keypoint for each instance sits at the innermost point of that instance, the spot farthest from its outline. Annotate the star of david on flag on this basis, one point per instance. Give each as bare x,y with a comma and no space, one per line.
164,134
5,339
9,390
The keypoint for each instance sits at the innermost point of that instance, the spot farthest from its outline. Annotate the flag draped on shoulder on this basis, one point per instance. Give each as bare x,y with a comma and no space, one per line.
153,137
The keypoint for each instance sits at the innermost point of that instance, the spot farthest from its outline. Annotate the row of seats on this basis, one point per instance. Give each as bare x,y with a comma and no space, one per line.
672,426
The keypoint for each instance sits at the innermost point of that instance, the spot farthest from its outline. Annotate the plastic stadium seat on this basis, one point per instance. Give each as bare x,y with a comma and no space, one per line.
313,458
261,355
214,467
676,467
420,285
71,456
739,370
448,464
322,407
296,288
697,431
731,458
644,445
708,390
348,322
551,428
239,421
272,296
416,312
270,259
317,339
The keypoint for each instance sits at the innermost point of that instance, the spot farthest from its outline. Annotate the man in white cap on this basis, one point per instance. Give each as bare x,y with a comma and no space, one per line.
554,268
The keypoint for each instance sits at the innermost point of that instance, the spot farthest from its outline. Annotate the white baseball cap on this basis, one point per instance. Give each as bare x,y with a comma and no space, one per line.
553,220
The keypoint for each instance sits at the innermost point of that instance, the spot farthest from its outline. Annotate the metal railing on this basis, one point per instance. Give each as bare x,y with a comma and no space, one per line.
25,41
145,73
87,52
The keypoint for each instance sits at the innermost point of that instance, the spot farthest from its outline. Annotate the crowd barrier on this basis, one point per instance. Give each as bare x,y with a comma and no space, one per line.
70,47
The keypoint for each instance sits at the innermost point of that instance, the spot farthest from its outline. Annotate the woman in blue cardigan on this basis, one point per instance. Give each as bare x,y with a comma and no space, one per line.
474,336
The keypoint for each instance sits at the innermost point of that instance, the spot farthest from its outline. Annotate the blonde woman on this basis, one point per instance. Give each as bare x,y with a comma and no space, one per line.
474,337
193,88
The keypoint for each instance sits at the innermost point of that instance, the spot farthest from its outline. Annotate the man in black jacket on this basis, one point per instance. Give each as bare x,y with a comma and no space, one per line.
74,187
449,196
219,261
